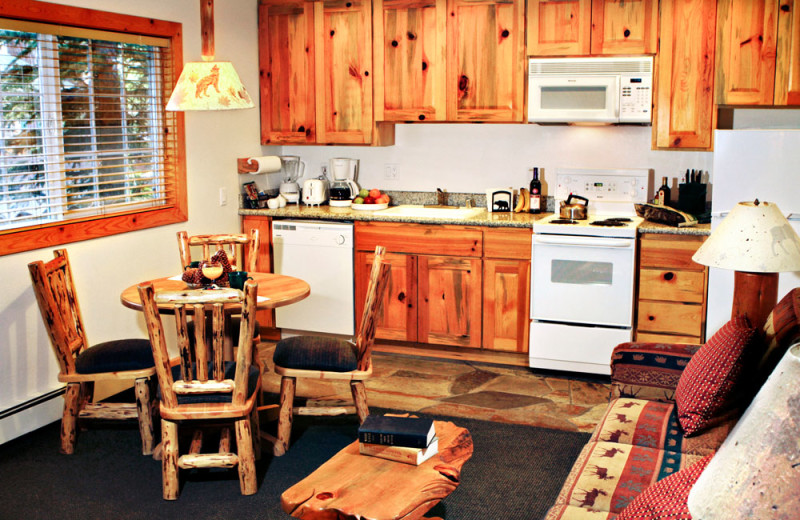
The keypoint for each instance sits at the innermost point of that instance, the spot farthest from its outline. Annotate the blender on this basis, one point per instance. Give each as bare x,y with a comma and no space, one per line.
293,168
343,187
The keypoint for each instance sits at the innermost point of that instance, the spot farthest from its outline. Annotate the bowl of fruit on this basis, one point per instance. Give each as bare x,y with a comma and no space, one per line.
370,200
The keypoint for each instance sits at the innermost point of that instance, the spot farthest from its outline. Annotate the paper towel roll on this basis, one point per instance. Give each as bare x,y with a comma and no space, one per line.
265,164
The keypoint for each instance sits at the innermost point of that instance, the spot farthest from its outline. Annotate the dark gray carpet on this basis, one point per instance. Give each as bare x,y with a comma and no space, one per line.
514,473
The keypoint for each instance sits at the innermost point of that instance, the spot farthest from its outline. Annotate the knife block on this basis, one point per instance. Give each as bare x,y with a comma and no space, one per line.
692,198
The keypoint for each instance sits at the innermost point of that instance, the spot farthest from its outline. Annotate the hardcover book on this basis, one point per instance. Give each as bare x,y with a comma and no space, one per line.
413,432
413,456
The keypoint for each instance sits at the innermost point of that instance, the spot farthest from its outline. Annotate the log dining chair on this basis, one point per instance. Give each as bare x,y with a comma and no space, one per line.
81,365
204,389
318,357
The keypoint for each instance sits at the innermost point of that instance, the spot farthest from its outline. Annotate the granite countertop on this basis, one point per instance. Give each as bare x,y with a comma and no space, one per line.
484,218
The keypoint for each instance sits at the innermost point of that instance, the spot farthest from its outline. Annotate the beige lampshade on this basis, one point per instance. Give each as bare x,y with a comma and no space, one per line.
209,85
755,237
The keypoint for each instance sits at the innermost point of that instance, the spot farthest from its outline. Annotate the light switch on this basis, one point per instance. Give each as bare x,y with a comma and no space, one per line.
223,196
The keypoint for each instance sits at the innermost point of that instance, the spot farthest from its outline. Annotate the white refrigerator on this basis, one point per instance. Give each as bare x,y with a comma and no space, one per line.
748,165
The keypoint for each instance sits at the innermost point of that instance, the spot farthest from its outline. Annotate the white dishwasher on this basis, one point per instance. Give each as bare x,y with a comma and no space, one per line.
320,253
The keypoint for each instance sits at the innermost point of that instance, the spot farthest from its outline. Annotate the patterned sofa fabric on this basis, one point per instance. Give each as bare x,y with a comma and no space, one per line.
649,370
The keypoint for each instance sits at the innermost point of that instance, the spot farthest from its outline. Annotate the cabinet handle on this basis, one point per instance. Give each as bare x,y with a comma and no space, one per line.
669,276
401,297
651,318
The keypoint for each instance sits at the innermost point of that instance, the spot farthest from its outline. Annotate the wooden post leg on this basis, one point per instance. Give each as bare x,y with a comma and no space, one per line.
247,462
69,417
360,398
144,410
256,428
169,460
285,416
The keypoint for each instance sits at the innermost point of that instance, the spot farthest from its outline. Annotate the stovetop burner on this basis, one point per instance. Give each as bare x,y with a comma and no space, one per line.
563,221
611,222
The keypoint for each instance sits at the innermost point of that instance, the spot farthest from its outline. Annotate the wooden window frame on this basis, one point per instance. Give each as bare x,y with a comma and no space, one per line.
57,233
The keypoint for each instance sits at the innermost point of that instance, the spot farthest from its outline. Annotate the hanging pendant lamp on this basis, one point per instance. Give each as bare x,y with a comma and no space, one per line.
208,84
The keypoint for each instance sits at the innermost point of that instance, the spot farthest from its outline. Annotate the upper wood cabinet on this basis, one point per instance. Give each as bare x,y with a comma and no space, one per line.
316,72
684,112
449,60
787,66
746,47
583,27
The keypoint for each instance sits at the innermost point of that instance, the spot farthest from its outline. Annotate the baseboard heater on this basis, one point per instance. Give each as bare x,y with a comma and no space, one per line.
30,415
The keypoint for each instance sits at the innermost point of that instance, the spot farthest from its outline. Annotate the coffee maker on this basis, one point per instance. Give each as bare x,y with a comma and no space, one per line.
343,185
292,168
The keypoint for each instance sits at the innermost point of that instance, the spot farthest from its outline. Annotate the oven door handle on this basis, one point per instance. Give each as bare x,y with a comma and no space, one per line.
583,241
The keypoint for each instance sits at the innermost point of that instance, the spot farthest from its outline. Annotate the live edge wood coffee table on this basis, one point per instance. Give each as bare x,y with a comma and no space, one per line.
355,486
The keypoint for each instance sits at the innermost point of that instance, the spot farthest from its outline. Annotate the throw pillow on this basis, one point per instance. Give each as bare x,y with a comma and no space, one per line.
710,378
666,499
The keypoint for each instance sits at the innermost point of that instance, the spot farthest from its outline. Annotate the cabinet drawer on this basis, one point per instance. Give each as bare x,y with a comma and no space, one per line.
507,243
674,318
670,251
650,337
672,285
419,238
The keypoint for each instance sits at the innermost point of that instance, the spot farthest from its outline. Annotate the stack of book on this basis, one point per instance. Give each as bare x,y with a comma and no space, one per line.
411,440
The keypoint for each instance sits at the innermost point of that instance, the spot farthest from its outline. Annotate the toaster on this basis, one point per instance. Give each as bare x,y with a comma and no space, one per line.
499,199
315,192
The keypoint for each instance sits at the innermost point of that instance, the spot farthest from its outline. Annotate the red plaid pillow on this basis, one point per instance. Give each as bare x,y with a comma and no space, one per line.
710,378
666,499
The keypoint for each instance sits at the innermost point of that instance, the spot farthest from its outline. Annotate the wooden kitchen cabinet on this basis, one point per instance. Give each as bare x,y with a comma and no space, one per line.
672,290
787,65
747,32
684,115
599,27
399,315
506,289
485,60
315,78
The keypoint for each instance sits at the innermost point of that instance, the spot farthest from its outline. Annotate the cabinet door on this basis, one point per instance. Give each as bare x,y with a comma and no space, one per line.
485,60
506,289
398,320
624,27
787,67
746,46
449,300
343,45
409,55
559,27
684,114
286,56
266,317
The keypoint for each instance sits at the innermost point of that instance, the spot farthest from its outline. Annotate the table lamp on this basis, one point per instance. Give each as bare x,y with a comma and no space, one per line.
208,84
757,242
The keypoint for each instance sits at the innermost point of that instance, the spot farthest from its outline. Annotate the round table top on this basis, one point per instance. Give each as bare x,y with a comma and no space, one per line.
274,290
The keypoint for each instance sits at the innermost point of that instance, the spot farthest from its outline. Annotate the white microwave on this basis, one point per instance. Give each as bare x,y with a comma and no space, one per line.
599,90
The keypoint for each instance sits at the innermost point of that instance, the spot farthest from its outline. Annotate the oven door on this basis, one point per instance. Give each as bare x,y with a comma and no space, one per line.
584,280
573,99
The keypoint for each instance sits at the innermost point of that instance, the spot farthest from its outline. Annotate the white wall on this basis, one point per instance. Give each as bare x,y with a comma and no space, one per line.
104,267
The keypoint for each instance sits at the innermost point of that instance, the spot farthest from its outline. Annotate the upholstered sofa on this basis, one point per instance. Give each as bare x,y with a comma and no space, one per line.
640,439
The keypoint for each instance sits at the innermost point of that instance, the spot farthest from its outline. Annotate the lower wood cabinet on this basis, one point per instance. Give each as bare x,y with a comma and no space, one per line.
266,317
671,305
476,295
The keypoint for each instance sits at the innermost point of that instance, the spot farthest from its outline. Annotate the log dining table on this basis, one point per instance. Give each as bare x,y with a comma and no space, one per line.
274,290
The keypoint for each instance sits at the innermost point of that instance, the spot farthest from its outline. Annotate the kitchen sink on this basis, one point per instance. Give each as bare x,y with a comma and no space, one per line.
446,212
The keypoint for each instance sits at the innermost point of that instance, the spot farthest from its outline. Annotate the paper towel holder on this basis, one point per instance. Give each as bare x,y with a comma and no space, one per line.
244,166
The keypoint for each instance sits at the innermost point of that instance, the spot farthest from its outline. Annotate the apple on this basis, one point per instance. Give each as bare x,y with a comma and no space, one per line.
358,200
383,199
374,193
364,193
369,200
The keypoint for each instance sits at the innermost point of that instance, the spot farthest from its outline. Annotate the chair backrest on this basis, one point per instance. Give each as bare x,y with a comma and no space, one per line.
241,248
58,303
195,375
378,281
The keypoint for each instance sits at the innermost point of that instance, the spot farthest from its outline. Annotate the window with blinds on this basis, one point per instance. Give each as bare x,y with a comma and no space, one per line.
83,129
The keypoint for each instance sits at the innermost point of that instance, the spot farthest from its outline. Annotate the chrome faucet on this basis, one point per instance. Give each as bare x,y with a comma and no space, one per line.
441,197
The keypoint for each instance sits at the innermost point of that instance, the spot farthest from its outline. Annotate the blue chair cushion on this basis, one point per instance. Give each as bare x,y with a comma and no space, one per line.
115,356
230,372
316,353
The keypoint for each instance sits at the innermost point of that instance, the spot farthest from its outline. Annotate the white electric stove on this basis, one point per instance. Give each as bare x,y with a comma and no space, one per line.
582,275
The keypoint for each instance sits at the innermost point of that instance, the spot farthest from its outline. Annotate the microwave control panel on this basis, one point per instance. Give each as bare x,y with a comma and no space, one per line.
635,98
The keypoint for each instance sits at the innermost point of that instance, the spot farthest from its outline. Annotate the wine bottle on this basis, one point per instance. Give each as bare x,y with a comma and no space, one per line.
663,195
536,193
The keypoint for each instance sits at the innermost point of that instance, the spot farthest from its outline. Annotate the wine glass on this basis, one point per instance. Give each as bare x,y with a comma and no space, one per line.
212,270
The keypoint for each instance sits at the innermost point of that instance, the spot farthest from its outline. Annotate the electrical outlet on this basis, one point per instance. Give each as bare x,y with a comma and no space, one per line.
390,172
223,196
324,169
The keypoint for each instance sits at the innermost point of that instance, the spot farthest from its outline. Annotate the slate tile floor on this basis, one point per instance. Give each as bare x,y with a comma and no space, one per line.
466,389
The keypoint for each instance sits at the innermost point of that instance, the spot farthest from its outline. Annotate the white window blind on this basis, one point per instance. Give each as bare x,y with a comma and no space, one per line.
83,130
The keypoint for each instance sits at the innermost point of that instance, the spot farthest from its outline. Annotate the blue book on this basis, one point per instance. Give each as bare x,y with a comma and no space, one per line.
413,432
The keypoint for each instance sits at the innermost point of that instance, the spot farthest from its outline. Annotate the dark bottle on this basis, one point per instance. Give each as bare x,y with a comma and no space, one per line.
536,193
663,195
